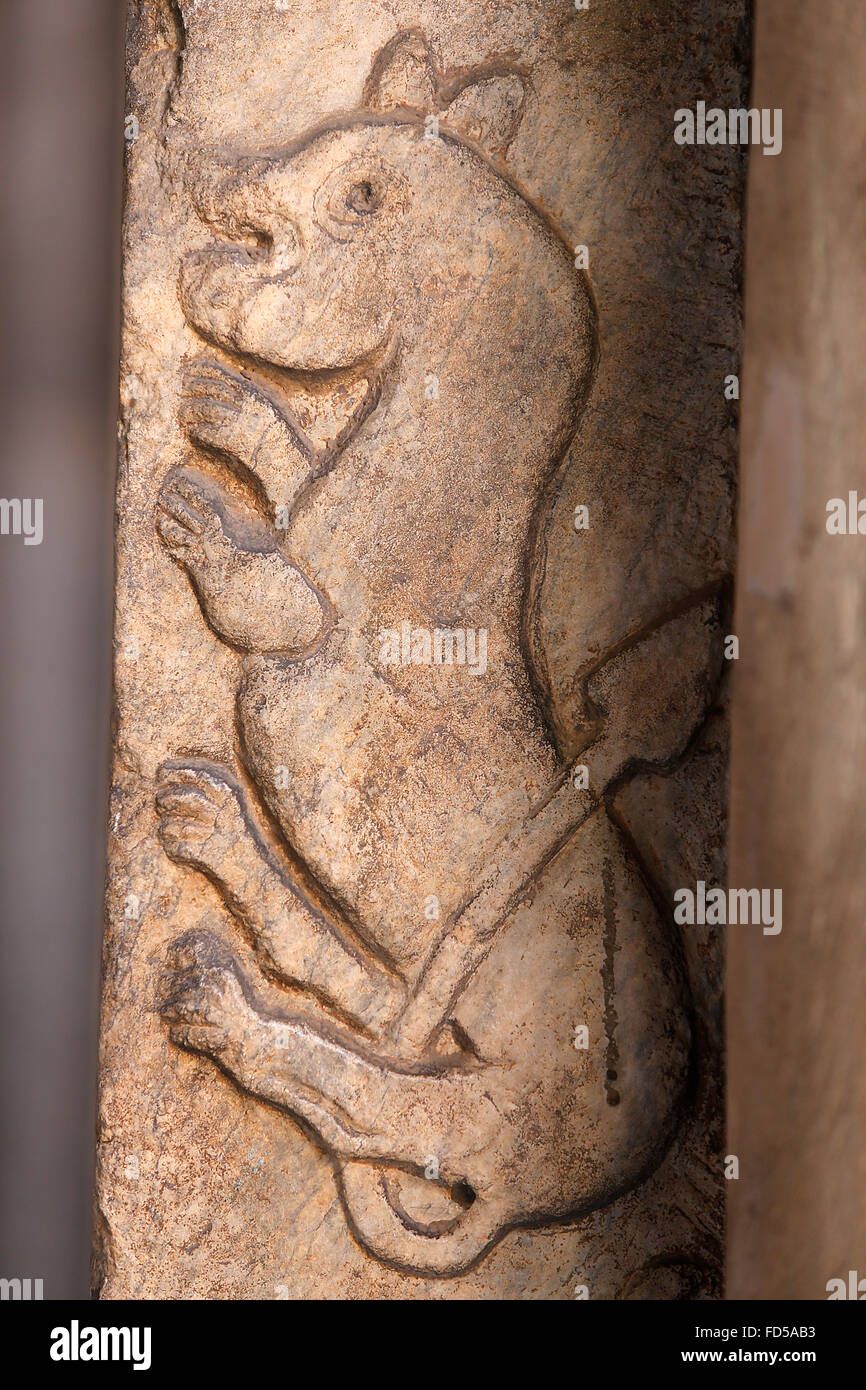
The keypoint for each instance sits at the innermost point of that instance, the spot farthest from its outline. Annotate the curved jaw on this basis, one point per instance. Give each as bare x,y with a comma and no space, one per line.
331,403
328,403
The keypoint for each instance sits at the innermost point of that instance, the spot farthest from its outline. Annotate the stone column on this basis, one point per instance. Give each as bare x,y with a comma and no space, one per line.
424,549
796,1023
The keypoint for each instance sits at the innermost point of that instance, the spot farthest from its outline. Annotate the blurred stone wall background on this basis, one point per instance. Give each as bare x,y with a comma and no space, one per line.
796,1025
61,117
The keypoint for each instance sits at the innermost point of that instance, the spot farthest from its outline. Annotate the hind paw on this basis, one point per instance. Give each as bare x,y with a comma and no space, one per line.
201,995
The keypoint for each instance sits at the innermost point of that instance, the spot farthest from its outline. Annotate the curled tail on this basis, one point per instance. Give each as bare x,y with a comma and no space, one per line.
387,1231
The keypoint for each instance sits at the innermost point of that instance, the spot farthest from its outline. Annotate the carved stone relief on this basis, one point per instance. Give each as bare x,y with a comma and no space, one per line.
409,762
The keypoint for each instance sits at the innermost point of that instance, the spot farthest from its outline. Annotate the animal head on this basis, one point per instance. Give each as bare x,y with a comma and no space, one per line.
394,223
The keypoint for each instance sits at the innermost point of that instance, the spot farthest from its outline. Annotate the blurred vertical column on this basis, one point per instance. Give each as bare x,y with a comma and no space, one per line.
61,86
796,1002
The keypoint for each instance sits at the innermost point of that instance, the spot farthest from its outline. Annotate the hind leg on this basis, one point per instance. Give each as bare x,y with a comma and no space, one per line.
205,823
360,1106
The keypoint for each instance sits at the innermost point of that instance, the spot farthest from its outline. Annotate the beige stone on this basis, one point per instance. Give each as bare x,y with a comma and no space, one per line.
366,907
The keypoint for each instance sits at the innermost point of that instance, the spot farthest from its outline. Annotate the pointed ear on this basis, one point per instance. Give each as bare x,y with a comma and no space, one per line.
489,110
403,74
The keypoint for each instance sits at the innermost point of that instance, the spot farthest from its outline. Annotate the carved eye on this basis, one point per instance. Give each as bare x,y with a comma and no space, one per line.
364,197
345,203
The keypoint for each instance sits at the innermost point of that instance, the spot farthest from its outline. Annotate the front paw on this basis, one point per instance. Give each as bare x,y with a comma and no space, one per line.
201,995
211,405
188,522
201,818
220,409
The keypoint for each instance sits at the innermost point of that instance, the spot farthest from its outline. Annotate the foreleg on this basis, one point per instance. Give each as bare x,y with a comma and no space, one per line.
220,409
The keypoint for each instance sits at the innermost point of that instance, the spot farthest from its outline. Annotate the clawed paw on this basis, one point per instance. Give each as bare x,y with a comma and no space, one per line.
201,995
221,410
211,403
187,521
201,819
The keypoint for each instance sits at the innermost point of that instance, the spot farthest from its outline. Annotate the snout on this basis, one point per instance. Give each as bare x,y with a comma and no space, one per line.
305,317
246,298
286,247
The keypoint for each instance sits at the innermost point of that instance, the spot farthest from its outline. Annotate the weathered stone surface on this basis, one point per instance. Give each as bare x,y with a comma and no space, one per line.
363,899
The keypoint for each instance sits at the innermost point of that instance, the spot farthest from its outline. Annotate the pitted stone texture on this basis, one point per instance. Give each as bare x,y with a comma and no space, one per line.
395,1005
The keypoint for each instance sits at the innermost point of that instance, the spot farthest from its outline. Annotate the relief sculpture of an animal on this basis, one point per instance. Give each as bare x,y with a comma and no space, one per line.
396,348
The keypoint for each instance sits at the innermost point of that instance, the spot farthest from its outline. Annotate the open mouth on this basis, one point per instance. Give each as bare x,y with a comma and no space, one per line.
329,403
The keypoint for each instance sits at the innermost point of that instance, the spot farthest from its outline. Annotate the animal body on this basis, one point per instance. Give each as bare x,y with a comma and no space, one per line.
412,855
